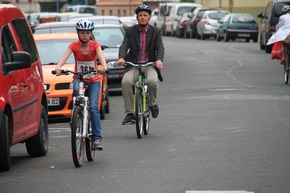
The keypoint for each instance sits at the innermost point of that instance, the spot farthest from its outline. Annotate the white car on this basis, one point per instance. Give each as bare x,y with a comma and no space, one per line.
153,19
208,25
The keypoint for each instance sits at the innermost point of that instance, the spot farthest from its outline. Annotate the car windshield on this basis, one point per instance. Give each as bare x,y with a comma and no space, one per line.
54,30
111,37
51,51
217,15
106,21
183,10
243,19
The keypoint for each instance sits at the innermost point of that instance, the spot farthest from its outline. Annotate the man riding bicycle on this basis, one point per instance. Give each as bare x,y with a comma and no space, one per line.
144,43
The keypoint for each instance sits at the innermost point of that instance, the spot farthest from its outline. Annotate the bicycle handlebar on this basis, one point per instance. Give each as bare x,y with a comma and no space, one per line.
137,65
66,72
147,64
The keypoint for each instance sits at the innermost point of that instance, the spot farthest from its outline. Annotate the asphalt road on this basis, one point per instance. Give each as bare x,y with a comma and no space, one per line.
224,125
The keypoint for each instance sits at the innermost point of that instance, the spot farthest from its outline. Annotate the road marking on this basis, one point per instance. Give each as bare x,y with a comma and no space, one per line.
218,191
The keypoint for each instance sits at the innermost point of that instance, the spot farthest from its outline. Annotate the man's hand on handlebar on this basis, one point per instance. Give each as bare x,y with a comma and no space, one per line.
121,62
159,64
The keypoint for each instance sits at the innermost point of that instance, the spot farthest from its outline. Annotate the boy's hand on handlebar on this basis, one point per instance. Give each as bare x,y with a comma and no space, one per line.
121,62
159,64
57,71
101,69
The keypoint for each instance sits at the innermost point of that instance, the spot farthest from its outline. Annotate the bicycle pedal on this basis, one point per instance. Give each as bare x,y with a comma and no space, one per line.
132,122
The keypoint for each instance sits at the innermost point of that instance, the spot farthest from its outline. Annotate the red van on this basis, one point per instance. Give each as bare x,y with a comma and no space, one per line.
23,103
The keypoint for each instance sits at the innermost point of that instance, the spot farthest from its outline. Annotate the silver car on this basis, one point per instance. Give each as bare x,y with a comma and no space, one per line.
208,25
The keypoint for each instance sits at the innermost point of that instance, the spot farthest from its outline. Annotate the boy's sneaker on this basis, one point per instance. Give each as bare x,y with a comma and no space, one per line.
97,145
129,119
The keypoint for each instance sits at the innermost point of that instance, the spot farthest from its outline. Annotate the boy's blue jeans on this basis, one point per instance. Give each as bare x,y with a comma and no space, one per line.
94,89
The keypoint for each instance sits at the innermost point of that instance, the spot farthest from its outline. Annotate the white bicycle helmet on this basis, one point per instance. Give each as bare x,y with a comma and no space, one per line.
285,9
85,25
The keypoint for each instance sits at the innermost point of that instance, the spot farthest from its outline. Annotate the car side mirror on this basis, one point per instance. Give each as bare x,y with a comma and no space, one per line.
260,15
20,60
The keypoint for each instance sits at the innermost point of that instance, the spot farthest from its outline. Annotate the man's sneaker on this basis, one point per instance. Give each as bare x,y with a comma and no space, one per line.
154,111
97,145
129,119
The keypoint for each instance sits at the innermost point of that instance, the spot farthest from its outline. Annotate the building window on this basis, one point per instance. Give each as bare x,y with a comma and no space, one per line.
124,12
119,13
103,12
111,12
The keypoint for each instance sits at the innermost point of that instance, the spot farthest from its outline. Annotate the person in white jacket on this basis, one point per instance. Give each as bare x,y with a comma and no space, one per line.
283,26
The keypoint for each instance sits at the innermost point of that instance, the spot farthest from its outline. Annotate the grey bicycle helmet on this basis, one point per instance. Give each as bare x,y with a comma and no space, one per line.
143,7
285,9
85,25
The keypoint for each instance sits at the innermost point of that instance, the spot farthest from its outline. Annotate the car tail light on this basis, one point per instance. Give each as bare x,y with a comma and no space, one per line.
272,28
195,20
232,27
206,22
183,24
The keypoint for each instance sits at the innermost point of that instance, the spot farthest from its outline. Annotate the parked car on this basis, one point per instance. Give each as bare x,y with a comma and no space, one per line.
208,25
65,16
238,26
153,19
128,21
75,17
23,106
269,20
180,29
101,19
171,13
59,88
82,9
190,28
54,27
109,35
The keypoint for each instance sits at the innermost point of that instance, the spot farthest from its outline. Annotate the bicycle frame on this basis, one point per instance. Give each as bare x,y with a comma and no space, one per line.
141,83
83,101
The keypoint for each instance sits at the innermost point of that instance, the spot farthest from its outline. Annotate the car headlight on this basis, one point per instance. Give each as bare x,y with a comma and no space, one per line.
113,65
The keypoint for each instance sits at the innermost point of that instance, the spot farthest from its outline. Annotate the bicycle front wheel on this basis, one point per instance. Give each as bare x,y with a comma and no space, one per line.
89,143
146,118
77,140
286,68
138,113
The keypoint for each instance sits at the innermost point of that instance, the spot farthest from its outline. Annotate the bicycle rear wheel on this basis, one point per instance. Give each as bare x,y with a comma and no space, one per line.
138,113
77,141
89,143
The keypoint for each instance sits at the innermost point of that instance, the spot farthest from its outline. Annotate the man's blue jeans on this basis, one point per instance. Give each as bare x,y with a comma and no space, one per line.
94,89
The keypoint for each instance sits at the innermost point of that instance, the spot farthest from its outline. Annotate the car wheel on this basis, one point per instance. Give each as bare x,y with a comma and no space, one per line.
226,38
107,107
262,46
38,144
218,38
247,40
5,160
202,36
268,48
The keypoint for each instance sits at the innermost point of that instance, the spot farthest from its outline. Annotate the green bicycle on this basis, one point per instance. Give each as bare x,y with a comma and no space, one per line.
141,106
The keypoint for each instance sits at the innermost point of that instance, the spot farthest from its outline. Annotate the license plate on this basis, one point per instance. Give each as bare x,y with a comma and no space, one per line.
243,35
53,102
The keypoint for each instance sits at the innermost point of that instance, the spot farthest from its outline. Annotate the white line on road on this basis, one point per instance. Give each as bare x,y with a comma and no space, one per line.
218,191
